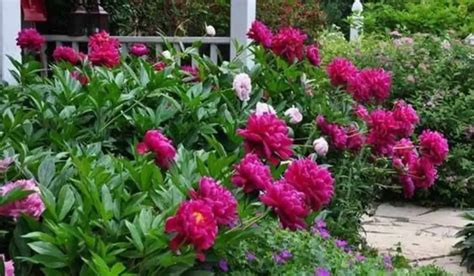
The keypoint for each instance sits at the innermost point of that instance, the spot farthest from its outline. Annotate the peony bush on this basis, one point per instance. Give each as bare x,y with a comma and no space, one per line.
144,166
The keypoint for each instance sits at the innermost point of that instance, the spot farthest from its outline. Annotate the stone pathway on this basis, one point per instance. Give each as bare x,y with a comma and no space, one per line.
425,235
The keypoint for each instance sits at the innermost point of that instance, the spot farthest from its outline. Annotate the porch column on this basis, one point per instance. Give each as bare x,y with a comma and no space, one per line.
242,14
10,25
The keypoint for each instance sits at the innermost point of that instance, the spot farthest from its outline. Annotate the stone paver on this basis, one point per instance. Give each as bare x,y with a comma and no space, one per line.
425,235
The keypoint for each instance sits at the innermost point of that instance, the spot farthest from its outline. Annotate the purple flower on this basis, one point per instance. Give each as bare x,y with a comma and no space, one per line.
250,256
341,243
321,272
223,265
319,227
282,257
387,262
324,234
359,257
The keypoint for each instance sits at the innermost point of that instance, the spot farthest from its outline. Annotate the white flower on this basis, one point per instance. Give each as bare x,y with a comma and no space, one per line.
320,146
166,54
294,114
446,45
242,86
210,31
264,108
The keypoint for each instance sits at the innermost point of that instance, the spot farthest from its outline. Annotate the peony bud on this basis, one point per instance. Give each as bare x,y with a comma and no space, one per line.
294,114
264,108
321,146
210,31
242,86
166,54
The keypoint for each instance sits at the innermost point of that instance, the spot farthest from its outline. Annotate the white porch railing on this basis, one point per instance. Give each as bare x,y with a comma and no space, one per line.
157,42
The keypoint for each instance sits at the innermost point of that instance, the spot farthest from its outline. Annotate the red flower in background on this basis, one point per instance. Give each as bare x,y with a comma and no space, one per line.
312,54
355,139
370,84
422,172
163,148
221,200
139,49
340,70
314,181
288,43
406,117
251,174
267,136
288,203
104,50
433,146
30,39
80,77
68,54
261,34
191,71
381,135
194,224
159,66
336,132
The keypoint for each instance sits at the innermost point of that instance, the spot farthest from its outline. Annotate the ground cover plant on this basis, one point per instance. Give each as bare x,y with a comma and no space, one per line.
127,165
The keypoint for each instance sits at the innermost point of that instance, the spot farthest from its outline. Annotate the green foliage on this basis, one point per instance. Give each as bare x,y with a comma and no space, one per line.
435,16
466,246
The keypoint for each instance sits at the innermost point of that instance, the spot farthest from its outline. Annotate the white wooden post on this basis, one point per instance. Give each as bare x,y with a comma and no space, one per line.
10,25
357,20
242,14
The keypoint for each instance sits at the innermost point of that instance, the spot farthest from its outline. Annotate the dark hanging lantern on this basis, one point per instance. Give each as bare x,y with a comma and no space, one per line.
99,18
78,24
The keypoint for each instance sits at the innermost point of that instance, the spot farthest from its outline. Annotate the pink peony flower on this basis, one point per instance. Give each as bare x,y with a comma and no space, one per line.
423,173
340,70
312,54
267,136
405,151
381,135
288,43
31,205
288,203
29,39
321,146
80,77
355,139
104,50
262,108
191,71
8,266
242,86
294,114
370,84
194,224
314,181
163,148
4,164
139,49
336,132
251,174
433,146
406,118
361,112
261,34
222,202
68,54
159,66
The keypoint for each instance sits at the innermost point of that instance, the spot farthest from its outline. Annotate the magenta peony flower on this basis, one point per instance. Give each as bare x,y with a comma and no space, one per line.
261,34
222,202
287,203
267,136
81,78
68,54
355,139
288,43
406,118
8,266
337,133
163,148
382,127
251,174
361,112
191,71
314,181
312,54
159,66
422,172
29,39
139,49
370,84
405,151
408,186
104,50
340,70
194,224
433,146
32,205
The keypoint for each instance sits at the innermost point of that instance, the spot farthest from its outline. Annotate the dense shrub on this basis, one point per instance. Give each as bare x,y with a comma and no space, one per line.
436,17
139,164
